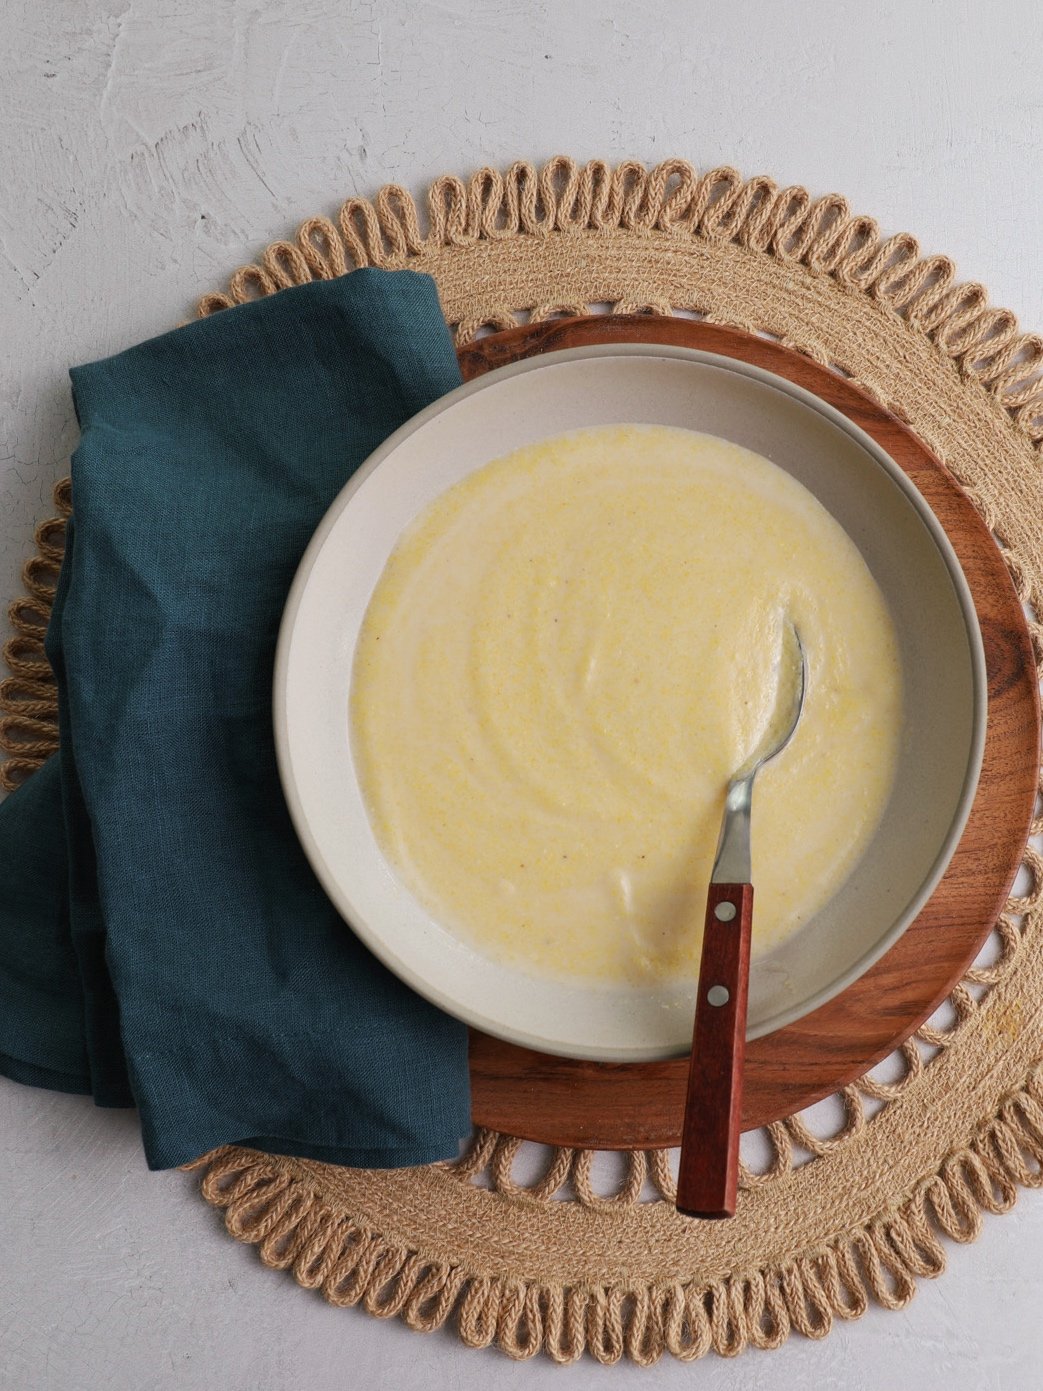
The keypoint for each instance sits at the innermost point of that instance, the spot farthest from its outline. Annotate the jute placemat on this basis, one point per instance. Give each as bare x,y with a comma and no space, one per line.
827,1223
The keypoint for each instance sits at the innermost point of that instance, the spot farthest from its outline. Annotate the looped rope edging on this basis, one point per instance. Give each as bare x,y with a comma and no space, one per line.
29,696
671,203
282,1211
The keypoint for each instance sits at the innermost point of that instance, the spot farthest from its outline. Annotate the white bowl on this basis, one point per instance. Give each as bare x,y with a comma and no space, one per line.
905,549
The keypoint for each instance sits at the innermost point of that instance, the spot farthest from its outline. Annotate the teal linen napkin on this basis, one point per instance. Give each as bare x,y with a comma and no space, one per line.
163,941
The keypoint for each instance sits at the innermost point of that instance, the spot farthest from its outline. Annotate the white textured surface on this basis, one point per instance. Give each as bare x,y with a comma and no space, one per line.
147,147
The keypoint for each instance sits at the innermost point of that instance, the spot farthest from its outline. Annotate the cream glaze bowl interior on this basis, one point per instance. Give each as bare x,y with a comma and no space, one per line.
905,549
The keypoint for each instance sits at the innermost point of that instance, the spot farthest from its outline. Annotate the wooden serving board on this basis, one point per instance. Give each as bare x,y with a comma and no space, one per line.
640,1105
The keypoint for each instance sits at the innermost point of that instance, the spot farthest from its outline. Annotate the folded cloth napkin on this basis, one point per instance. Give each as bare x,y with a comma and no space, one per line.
163,941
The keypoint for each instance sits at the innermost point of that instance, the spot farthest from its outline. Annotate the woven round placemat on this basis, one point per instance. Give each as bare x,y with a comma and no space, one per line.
832,1215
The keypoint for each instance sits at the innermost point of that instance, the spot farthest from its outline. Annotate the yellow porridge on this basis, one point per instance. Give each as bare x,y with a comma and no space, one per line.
567,656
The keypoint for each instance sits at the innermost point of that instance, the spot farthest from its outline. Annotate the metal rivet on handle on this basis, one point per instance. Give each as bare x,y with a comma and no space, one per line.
717,995
724,912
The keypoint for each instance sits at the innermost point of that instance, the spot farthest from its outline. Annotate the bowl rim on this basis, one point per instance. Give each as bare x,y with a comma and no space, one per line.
331,882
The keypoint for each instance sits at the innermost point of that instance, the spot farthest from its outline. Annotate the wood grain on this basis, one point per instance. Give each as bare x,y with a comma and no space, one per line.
708,1175
624,1106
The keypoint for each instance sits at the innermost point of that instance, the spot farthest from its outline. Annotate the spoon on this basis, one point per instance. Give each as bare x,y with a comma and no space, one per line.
709,1169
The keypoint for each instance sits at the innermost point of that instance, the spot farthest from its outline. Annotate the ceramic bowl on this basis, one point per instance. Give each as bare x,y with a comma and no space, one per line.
905,549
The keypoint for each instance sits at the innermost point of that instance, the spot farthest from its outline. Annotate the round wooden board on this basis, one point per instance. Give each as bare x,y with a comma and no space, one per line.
562,1101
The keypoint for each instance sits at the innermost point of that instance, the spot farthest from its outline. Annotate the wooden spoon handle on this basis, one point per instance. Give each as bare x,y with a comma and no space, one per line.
709,1172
